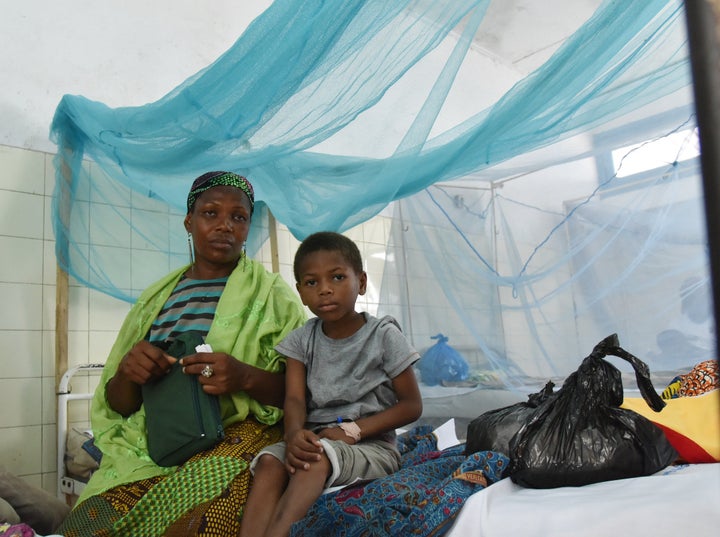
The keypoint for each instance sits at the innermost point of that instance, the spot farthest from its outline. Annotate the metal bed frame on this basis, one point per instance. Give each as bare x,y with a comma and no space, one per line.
68,485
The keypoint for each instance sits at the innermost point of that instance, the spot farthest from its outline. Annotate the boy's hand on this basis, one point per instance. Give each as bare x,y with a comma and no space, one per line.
303,448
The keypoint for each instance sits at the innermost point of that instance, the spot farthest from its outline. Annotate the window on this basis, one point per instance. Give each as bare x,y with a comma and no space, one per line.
637,158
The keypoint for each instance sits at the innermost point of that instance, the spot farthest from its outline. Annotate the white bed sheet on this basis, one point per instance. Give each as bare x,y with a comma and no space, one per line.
679,500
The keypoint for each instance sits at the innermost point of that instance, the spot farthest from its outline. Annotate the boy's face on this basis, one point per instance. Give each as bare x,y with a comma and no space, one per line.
329,286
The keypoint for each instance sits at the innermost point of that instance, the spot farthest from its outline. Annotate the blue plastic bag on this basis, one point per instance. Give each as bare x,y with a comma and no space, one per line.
441,363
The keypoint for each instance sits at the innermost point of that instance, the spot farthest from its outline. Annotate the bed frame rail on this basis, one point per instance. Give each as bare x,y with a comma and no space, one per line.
66,484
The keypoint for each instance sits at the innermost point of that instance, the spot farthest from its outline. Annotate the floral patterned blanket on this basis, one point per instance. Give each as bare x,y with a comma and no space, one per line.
421,499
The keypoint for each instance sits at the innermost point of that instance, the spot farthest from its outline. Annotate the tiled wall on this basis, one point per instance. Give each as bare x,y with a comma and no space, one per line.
27,313
27,310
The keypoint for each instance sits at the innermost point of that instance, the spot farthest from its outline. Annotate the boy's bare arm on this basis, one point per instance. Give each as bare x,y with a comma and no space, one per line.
303,446
294,406
406,410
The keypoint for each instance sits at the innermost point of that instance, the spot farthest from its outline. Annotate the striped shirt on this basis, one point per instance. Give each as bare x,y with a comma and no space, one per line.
191,306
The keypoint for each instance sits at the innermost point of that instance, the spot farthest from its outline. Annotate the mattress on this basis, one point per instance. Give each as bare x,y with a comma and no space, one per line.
679,500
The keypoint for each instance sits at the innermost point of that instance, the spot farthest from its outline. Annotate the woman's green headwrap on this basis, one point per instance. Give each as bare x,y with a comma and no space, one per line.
210,179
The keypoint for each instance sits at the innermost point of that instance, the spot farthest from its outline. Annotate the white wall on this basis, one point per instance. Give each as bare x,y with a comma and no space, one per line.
118,52
27,278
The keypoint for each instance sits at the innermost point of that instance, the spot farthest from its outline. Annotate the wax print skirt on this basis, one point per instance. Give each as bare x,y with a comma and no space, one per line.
204,497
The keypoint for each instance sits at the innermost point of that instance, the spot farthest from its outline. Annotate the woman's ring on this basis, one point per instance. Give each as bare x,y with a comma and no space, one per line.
207,371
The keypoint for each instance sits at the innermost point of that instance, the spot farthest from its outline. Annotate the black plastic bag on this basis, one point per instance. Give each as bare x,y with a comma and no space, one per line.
493,430
581,436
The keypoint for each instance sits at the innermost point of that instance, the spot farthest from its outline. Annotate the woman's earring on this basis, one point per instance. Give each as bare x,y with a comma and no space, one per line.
190,248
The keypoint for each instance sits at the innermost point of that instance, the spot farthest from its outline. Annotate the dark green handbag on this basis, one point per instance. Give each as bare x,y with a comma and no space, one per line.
181,418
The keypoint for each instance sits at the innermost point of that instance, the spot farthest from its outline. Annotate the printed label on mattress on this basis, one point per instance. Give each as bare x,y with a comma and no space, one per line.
475,476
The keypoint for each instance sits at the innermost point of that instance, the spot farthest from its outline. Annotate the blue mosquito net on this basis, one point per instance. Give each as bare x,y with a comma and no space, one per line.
526,227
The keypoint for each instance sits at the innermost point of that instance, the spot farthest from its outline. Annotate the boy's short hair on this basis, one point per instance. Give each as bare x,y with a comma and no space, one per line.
329,241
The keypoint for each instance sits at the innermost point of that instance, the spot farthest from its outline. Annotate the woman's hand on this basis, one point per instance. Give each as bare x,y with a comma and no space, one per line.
303,448
218,372
142,364
226,375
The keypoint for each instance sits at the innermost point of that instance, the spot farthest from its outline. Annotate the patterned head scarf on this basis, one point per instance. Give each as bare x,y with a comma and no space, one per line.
210,179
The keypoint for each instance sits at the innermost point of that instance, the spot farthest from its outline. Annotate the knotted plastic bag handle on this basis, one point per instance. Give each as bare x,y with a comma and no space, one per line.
610,346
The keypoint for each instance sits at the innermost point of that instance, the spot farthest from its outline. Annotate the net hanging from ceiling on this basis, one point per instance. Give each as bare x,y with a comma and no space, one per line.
516,232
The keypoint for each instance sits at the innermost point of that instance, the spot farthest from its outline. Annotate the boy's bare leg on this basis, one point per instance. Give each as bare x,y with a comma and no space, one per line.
304,488
267,487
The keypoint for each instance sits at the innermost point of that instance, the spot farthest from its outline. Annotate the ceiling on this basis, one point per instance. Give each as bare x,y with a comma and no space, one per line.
524,33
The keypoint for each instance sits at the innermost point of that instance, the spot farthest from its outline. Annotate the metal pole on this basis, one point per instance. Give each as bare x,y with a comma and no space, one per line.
274,254
703,26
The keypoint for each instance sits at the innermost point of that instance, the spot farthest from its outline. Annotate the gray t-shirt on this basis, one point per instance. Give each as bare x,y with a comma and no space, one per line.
349,378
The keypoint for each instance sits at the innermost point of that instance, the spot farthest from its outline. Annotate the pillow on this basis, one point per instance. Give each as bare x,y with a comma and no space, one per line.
36,507
691,424
7,513
78,461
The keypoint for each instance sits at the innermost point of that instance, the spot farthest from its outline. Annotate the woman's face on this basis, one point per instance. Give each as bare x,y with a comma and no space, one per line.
219,224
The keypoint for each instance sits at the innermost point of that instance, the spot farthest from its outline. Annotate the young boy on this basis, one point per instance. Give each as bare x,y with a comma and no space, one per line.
349,385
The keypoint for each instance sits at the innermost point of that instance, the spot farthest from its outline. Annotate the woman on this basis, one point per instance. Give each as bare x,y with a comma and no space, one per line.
243,311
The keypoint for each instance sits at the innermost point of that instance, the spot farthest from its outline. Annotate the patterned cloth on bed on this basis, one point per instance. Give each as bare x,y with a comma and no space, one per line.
420,499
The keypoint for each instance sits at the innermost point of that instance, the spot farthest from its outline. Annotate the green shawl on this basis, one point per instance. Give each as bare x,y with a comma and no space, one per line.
256,310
